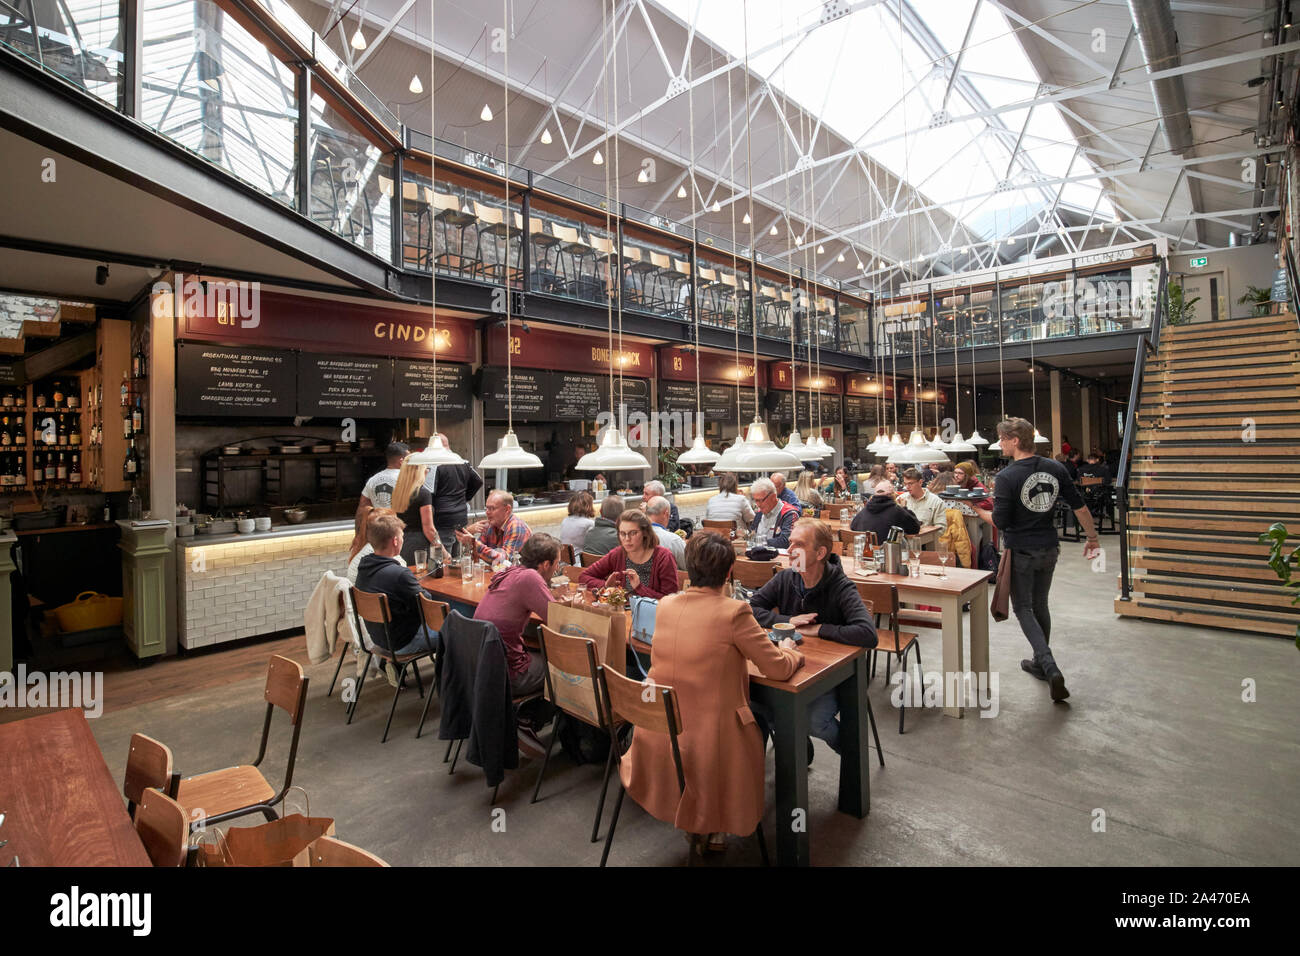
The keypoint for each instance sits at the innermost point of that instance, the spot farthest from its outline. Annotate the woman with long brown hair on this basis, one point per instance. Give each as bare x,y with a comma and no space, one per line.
414,505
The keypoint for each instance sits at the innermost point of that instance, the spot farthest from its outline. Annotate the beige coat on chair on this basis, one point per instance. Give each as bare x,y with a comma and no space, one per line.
701,645
325,620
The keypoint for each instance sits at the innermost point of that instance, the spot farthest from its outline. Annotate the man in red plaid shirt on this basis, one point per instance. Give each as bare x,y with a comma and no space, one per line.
503,533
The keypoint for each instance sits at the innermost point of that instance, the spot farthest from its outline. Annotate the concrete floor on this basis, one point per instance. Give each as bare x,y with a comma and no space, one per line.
1155,734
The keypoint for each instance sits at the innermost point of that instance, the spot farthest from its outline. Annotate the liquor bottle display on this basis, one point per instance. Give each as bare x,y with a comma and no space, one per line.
131,467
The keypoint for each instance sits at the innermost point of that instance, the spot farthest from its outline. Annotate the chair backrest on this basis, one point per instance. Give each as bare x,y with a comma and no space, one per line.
930,557
767,291
589,558
286,687
572,660
565,233
604,246
148,764
574,573
754,574
446,201
372,606
1092,482
847,535
683,266
488,214
660,261
434,612
708,275
631,253
567,555
160,823
683,580
716,524
727,279
646,706
881,599
331,851
833,512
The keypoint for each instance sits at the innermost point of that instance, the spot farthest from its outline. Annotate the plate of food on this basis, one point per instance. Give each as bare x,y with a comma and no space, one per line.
613,595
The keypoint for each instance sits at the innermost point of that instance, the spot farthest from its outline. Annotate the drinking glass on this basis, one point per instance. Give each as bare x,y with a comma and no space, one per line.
466,569
421,562
859,548
942,547
878,557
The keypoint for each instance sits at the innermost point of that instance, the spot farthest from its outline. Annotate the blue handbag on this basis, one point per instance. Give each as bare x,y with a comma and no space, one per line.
643,623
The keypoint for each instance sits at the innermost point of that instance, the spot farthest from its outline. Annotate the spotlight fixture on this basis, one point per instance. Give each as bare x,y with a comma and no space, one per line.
643,176
101,275
717,206
546,136
746,220
358,39
681,192
416,86
772,231
485,114
597,159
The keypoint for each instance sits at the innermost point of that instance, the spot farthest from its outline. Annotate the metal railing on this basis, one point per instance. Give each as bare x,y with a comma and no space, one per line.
1147,343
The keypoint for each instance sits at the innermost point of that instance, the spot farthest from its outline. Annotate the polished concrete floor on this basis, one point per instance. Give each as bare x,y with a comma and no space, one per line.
1155,760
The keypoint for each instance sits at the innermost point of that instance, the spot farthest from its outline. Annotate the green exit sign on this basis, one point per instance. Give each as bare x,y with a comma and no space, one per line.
1199,261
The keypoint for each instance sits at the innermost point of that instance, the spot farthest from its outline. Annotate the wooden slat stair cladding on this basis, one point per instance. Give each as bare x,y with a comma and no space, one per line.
1216,460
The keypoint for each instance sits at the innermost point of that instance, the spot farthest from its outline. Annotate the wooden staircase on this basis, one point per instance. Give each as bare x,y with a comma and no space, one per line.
1201,492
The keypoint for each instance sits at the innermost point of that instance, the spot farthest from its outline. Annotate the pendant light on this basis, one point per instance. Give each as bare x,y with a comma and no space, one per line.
416,86
509,454
546,136
760,452
958,445
436,452
1002,390
975,437
730,460
698,453
1033,393
795,445
614,453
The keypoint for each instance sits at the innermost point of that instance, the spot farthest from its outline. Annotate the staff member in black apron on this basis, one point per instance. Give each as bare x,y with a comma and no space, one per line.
452,488
1024,510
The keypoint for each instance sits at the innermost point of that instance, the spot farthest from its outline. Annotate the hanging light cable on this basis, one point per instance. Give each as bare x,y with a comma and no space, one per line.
1002,389
818,445
730,460
795,444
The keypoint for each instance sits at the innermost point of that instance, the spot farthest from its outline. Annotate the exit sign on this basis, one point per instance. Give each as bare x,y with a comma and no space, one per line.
1199,261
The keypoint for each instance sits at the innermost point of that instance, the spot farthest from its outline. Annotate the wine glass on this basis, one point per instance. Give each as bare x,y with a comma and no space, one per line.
941,547
914,558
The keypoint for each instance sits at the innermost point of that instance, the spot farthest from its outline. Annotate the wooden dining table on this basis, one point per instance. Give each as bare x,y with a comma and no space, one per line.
827,665
61,804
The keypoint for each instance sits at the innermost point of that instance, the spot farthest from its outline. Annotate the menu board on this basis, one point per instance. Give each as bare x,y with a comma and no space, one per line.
413,388
212,380
578,397
783,412
859,410
345,386
676,397
532,394
830,409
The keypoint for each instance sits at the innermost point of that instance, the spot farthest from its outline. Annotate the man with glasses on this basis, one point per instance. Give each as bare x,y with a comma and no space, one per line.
503,534
928,507
773,518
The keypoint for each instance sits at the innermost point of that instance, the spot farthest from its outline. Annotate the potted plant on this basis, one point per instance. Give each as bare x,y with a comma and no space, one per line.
1285,565
670,473
1259,299
1178,308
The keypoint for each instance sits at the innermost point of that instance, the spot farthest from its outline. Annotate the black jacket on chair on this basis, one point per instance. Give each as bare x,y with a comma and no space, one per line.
475,695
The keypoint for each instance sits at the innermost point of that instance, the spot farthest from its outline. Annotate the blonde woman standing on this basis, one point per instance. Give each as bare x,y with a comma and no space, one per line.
414,506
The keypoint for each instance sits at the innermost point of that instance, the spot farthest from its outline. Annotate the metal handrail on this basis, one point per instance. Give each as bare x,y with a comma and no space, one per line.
1146,344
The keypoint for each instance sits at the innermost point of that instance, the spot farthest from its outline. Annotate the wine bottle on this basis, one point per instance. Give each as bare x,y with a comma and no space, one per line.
126,427
75,474
6,431
62,472
131,467
125,390
139,365
50,466
20,431
137,415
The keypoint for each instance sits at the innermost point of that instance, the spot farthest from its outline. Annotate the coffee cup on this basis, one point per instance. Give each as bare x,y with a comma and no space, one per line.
783,630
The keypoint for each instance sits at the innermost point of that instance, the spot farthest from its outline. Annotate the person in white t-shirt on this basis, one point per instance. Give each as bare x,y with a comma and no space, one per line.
378,492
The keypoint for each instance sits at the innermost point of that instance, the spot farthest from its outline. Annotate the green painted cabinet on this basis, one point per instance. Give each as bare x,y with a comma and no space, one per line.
144,585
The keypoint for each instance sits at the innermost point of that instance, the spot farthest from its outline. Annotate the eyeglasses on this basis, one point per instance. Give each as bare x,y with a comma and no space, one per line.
759,501
630,534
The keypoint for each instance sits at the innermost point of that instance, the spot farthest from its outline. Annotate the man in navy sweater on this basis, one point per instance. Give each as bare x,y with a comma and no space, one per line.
384,573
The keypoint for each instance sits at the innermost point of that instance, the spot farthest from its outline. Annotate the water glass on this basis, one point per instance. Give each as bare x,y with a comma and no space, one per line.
421,562
466,569
878,557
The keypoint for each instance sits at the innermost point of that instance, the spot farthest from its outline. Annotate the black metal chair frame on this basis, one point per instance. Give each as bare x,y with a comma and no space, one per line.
892,616
389,655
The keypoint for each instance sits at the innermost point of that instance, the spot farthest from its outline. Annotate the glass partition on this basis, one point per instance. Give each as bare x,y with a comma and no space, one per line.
346,195
211,86
722,293
656,276
982,312
854,335
570,254
1115,301
79,40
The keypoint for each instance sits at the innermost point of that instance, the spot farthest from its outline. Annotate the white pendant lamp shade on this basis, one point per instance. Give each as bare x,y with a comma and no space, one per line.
1039,439
485,114
546,136
894,444
698,454
437,453
761,454
917,452
613,455
795,445
730,458
960,446
820,448
977,439
996,446
416,86
881,438
509,454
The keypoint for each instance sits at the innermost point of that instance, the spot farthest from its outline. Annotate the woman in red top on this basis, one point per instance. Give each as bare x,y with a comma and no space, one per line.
641,564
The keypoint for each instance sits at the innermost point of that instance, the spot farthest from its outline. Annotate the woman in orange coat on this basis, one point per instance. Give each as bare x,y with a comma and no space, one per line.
702,641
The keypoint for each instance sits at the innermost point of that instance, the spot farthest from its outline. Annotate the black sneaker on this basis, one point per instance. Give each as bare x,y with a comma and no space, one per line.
1057,681
811,753
1030,666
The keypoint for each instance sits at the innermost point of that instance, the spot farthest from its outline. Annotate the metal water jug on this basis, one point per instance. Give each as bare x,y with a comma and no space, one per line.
893,558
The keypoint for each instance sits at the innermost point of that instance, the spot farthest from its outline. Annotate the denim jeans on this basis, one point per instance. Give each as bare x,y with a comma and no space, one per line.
822,721
1031,580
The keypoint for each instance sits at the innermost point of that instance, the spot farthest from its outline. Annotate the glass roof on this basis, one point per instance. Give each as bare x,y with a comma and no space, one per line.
882,86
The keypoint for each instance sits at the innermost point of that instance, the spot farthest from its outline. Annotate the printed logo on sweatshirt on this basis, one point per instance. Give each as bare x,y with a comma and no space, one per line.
1039,492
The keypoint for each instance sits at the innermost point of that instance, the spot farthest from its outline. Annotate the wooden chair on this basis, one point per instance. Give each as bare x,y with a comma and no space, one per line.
881,599
726,528
653,709
492,222
589,558
434,614
683,580
449,215
161,825
832,512
372,608
567,555
345,609
754,574
331,851
574,658
915,616
148,766
847,537
236,791
574,573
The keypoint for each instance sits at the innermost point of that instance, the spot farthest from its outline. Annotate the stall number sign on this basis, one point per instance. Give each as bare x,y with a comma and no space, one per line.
1199,261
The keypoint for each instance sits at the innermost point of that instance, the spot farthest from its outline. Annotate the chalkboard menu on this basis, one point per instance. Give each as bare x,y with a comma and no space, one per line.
345,386
413,389
676,397
578,397
532,394
717,402
1280,292
859,410
783,411
212,380
635,395
830,409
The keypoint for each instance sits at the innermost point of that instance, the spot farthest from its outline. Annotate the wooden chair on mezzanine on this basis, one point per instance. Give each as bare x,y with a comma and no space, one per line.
881,599
656,712
492,222
448,214
372,608
573,659
148,766
539,240
162,827
237,791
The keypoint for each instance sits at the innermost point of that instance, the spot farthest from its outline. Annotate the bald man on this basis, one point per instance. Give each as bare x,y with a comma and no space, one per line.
501,536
